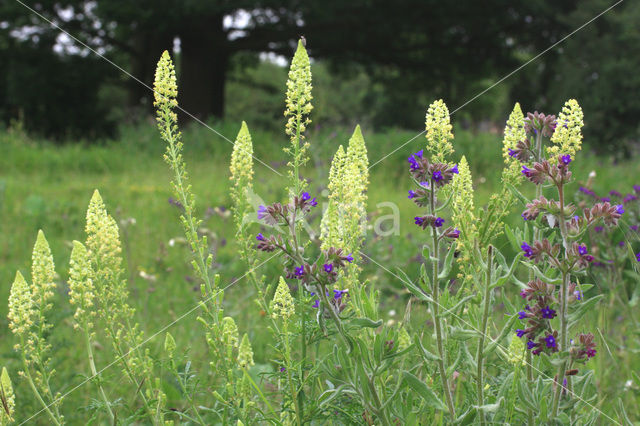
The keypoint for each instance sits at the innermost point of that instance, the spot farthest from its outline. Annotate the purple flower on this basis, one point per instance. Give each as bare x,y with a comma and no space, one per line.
413,159
424,184
628,198
455,233
633,227
591,353
313,202
306,196
531,344
566,159
621,244
299,271
337,294
638,257
636,188
619,209
520,332
438,222
262,212
527,249
582,249
577,294
522,315
316,304
523,294
349,258
615,193
437,176
418,220
526,171
454,169
282,369
412,194
328,268
260,237
512,153
524,216
551,341
548,313
599,228
605,199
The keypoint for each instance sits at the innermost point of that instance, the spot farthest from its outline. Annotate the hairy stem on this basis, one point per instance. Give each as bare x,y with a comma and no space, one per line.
94,373
436,310
54,418
483,332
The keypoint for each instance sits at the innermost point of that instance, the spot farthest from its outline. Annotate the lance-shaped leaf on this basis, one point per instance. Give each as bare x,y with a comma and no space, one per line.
425,392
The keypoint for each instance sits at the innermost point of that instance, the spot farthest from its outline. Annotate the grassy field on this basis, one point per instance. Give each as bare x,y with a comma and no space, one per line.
43,186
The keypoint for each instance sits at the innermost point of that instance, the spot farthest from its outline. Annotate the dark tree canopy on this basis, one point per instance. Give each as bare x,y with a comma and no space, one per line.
415,49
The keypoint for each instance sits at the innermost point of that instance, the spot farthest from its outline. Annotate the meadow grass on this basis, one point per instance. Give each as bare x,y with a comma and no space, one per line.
46,186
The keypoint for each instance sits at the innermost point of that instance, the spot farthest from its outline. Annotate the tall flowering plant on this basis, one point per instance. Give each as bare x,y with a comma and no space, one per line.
554,297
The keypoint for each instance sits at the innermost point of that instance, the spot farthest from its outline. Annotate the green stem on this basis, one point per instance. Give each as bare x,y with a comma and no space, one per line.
53,417
94,373
483,332
382,414
183,387
292,388
436,311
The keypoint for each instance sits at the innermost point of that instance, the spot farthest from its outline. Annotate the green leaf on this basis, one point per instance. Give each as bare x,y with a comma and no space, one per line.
538,273
415,290
449,311
583,307
365,322
466,418
489,408
421,388
448,262
524,200
503,333
462,334
426,355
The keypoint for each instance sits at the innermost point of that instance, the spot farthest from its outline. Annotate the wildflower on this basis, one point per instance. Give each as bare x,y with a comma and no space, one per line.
453,234
262,212
299,271
636,188
512,153
548,313
438,222
577,294
81,290
550,341
633,227
413,160
313,202
568,137
21,306
522,315
245,353
628,198
523,294
520,332
528,250
316,304
282,304
531,344
283,369
349,258
260,237
638,256
306,196
438,131
619,209
437,176
337,294
328,268
582,250
565,159
527,171
454,169
516,352
412,194
424,184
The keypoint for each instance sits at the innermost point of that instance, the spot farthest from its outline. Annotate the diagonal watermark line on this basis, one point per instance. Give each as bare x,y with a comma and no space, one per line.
504,78
147,340
497,343
56,26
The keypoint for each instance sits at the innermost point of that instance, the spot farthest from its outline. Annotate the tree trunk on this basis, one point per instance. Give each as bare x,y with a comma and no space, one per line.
203,69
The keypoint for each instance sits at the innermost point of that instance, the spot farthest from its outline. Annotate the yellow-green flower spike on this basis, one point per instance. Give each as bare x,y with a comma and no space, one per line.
357,153
242,180
42,272
567,137
21,307
464,218
298,107
438,129
516,352
81,290
282,305
8,398
169,344
165,87
514,132
245,353
103,240
230,335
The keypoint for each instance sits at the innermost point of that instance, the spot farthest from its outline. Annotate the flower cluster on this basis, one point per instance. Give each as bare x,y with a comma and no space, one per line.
540,335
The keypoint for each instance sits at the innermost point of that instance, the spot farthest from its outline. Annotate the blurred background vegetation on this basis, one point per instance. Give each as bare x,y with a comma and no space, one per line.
378,63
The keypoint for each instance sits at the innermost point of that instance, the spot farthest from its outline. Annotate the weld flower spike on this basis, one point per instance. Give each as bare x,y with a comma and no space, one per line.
8,398
567,137
81,290
282,305
438,128
245,353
